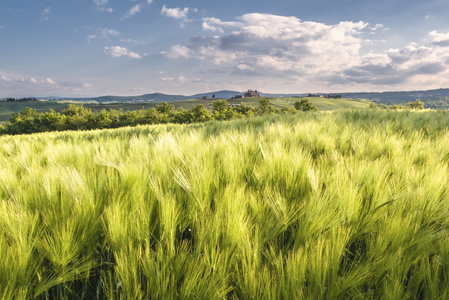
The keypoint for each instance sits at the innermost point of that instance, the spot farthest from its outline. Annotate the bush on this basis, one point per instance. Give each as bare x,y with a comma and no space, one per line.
264,107
305,105
415,105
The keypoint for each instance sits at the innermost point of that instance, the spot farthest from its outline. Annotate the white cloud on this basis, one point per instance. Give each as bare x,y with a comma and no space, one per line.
149,1
209,24
101,2
108,32
133,41
49,81
134,10
45,14
289,48
176,12
32,80
438,37
276,42
105,33
102,5
177,51
117,51
182,79
91,37
376,27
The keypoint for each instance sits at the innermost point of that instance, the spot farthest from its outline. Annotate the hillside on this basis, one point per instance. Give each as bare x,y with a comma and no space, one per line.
322,103
9,108
398,97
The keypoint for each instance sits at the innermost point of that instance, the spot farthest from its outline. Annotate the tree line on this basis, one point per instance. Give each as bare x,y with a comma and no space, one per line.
20,99
78,117
416,105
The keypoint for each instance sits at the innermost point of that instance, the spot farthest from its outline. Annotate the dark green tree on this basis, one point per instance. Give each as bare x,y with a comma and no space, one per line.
181,116
245,110
264,107
199,114
222,111
165,108
305,105
24,122
52,121
415,105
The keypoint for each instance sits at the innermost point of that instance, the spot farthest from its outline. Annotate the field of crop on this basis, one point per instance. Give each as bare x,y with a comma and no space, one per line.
341,205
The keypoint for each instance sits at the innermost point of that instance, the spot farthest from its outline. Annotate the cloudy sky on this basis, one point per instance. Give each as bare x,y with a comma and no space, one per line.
132,47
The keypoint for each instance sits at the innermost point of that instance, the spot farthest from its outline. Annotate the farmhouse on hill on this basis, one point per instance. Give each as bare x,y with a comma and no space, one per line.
251,93
248,94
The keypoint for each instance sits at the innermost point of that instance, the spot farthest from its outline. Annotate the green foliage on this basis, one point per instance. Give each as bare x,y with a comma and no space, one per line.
223,111
415,105
165,108
220,106
397,107
199,114
264,107
437,102
77,117
305,105
245,110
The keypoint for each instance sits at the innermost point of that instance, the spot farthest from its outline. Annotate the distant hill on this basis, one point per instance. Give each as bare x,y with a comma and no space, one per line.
159,97
155,97
226,94
398,97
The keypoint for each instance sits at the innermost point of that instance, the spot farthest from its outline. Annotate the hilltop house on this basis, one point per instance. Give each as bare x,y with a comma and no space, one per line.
248,94
251,93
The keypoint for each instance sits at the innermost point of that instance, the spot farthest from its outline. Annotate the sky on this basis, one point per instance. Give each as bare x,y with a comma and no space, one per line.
79,48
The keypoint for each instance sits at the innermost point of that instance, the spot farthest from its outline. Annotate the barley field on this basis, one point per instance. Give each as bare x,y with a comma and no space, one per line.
350,204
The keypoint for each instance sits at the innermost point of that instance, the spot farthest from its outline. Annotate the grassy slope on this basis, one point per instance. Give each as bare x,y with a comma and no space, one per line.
346,205
8,108
322,104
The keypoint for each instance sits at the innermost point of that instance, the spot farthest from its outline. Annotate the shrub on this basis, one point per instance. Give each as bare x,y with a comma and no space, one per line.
415,105
305,105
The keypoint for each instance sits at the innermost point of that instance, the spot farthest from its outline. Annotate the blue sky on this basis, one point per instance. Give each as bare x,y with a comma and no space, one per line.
133,47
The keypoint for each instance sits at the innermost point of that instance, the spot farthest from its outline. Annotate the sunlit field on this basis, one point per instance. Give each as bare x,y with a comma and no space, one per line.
326,205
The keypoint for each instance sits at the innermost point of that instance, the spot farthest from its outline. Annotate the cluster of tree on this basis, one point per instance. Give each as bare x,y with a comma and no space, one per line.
305,105
437,102
77,117
20,99
325,96
417,104
333,96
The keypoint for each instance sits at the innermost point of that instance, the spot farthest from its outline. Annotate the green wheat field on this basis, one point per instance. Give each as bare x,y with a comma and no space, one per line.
349,204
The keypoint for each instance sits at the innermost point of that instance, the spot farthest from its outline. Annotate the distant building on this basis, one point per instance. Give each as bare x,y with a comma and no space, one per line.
315,95
251,93
205,98
248,94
